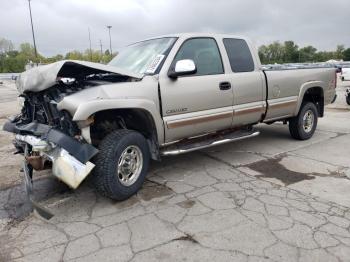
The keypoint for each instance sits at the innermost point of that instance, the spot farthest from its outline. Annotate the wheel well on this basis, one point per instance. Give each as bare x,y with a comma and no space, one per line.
315,95
139,120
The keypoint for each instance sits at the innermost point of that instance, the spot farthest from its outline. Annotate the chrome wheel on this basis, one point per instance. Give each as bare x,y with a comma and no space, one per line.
130,165
308,121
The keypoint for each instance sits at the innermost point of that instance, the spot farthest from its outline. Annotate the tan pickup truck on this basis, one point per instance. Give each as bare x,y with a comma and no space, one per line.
162,96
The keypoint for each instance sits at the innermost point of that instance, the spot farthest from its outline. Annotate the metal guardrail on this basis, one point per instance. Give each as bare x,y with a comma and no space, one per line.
8,76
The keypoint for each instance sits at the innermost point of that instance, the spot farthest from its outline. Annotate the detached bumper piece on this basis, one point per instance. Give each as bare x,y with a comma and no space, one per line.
69,157
40,143
64,166
82,152
28,183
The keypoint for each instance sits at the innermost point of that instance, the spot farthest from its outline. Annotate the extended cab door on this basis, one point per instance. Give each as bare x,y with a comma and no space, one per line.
248,82
199,103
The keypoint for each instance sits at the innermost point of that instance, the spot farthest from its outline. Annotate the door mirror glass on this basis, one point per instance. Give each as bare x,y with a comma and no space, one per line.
183,67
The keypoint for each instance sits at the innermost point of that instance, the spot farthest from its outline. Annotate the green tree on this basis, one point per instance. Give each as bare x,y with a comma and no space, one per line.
346,54
307,54
27,51
323,56
272,53
74,55
263,54
93,56
339,52
53,59
291,52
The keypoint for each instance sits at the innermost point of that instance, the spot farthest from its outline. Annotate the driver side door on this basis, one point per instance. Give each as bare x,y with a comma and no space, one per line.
201,102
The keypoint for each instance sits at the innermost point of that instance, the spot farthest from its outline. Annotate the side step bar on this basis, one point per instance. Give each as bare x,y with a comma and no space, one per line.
181,148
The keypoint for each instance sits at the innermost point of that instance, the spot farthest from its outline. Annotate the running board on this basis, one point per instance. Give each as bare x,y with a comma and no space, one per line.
189,146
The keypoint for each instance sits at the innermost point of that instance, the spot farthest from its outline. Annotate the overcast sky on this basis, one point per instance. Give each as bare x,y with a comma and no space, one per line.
62,25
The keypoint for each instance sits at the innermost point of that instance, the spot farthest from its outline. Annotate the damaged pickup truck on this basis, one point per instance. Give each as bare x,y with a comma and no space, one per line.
162,96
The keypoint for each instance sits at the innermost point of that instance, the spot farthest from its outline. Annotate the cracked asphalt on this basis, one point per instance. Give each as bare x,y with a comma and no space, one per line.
269,198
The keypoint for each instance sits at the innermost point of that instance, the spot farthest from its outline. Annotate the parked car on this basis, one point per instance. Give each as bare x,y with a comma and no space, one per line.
162,96
345,75
347,96
338,69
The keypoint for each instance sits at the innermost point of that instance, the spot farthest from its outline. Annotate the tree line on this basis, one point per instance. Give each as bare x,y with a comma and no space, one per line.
289,52
13,60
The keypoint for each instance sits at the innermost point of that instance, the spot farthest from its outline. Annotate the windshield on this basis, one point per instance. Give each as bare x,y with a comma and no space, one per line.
143,57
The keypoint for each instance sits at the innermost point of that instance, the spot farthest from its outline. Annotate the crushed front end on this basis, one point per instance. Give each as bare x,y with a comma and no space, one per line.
49,138
45,134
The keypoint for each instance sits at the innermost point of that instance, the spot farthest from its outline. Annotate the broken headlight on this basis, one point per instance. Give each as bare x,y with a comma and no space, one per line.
20,101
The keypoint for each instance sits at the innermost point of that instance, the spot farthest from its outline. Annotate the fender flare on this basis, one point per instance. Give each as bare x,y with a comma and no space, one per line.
304,87
85,110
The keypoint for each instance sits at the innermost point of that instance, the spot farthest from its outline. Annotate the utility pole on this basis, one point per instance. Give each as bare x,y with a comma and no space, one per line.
110,39
90,44
31,22
101,51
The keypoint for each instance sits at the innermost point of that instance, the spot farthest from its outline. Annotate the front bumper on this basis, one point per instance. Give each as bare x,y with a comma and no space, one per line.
69,157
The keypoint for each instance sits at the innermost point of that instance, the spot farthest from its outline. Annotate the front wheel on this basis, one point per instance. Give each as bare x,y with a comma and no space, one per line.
121,164
303,126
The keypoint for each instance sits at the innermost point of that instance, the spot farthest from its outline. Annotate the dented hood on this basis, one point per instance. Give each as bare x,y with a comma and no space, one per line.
43,77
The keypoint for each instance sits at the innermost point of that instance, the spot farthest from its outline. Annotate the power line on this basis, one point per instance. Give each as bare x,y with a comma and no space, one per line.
101,51
90,44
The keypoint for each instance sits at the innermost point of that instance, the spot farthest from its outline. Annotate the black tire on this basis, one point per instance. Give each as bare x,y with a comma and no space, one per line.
296,124
105,176
348,99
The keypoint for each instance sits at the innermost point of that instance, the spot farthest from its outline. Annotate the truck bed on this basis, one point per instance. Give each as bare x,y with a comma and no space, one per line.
285,86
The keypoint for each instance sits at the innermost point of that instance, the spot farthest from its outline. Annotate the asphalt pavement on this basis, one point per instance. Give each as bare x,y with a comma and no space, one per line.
268,198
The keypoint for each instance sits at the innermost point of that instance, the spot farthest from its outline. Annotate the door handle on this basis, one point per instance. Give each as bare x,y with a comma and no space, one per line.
225,85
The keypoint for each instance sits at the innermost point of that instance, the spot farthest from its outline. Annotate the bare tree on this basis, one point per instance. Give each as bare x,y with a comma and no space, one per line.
5,45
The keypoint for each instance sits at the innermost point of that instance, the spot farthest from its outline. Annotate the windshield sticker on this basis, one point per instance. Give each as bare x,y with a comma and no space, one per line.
154,65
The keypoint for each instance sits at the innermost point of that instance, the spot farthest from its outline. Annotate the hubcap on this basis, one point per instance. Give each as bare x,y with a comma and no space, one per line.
129,165
308,121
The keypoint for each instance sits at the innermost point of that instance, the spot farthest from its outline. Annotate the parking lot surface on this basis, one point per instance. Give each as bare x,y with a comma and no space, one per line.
269,198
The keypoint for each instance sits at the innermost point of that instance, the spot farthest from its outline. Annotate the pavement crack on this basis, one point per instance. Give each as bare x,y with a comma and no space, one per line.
186,237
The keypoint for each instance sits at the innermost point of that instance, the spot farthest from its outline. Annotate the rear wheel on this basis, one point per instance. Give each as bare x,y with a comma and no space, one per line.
303,126
121,164
348,99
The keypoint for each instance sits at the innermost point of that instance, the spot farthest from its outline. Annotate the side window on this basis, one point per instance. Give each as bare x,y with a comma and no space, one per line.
205,54
238,52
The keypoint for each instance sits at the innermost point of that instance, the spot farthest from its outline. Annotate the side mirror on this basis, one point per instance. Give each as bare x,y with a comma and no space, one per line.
183,67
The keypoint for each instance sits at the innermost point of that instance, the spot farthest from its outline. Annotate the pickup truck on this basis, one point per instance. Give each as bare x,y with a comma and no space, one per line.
162,96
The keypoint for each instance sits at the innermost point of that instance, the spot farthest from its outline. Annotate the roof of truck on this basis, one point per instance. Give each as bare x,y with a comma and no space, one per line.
197,34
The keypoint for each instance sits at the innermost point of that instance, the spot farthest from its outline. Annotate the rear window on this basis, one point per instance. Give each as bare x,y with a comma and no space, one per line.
238,52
